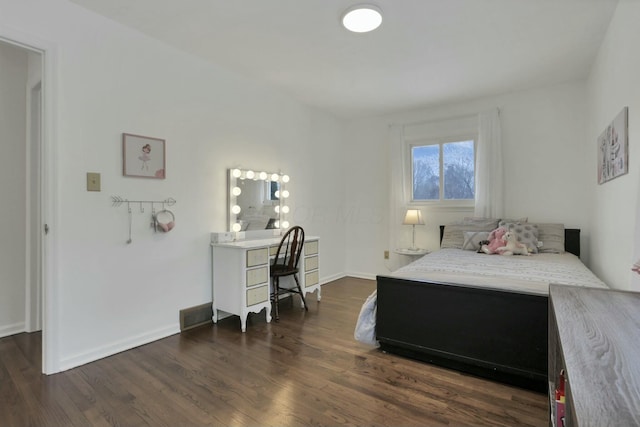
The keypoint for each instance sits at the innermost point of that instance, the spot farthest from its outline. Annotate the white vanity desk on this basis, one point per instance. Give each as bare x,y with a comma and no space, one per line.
241,275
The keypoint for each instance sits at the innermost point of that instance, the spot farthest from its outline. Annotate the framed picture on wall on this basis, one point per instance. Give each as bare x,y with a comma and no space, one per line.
613,148
143,157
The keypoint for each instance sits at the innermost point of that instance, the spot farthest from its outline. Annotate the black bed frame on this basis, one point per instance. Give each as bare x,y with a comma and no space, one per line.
495,334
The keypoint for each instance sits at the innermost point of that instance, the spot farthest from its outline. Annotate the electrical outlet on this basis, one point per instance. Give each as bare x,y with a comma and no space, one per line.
386,254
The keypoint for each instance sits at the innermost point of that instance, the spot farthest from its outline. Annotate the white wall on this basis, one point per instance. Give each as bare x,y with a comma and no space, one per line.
13,80
614,83
546,167
111,296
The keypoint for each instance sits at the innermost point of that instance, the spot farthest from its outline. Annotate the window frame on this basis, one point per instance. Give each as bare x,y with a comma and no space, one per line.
267,193
408,178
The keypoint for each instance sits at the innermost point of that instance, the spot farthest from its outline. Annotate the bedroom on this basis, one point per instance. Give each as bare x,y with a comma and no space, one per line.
95,60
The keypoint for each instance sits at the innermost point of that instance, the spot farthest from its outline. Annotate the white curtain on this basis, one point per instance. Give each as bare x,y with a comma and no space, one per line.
489,167
397,200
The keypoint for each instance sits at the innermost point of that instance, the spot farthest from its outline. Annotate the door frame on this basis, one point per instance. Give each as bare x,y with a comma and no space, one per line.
48,199
33,274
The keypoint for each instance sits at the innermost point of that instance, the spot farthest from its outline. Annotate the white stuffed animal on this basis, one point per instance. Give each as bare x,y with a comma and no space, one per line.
512,246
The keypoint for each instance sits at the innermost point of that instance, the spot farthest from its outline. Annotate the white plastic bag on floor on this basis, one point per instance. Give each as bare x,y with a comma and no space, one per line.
366,326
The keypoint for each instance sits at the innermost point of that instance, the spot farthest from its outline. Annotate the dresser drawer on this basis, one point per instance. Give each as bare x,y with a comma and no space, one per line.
311,248
273,250
256,276
311,263
257,295
311,279
257,257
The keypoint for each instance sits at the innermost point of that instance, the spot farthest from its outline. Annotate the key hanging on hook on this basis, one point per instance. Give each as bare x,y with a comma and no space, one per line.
154,220
130,221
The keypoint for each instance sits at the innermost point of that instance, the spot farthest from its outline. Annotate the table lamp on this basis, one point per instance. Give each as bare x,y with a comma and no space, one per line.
413,217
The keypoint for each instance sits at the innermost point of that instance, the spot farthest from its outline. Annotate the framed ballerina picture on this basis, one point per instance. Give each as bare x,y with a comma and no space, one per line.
143,157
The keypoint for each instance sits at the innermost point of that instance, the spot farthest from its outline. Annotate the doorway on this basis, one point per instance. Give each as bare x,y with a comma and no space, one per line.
21,173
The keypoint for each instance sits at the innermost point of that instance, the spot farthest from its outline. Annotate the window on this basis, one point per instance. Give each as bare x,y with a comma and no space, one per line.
443,171
274,188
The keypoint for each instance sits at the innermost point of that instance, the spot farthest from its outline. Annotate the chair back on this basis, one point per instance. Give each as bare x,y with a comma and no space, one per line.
290,248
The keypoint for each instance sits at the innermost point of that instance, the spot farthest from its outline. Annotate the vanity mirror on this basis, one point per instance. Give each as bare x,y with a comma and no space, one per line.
257,200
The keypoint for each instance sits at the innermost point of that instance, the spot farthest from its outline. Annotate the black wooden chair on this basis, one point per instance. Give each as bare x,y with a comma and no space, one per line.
286,264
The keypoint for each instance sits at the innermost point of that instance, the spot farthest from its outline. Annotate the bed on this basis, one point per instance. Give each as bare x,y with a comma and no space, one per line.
475,321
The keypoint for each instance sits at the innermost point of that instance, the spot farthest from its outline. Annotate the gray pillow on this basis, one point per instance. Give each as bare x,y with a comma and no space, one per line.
453,235
552,238
491,223
526,233
505,220
472,239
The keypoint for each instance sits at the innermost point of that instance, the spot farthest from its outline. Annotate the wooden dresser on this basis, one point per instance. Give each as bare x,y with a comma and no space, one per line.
594,335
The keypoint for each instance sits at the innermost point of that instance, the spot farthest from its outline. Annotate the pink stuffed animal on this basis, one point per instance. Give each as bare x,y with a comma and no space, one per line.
495,241
512,246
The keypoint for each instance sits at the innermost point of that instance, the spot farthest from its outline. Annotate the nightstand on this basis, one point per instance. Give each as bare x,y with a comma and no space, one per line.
412,252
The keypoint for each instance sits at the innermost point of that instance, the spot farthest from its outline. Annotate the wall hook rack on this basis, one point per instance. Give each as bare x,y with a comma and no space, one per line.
117,201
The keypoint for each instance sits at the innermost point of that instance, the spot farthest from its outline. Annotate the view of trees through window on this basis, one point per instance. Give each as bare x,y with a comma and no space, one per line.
458,171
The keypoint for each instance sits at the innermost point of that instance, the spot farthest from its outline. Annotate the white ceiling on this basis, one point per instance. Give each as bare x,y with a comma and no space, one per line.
426,52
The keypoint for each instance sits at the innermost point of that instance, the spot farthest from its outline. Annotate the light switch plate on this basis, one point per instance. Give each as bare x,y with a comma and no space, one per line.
93,181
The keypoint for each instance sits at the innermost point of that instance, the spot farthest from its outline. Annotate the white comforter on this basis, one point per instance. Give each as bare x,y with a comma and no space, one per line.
528,274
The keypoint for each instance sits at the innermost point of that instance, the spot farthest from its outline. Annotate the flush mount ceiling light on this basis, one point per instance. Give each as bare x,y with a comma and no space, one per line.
362,18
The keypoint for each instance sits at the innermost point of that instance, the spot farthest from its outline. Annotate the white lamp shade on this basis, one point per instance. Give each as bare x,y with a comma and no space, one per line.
413,217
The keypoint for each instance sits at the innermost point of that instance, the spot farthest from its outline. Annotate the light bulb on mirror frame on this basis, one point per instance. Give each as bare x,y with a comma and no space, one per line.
285,224
236,209
277,194
277,209
236,173
276,224
236,191
236,227
263,176
275,177
285,193
250,174
285,178
285,209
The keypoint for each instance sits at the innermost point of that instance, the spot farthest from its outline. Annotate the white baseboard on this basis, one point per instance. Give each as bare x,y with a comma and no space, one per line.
331,278
357,275
117,347
12,329
136,341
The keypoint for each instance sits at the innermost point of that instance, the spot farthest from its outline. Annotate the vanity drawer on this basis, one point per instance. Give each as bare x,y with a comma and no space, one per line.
311,263
311,248
257,257
257,275
311,279
257,295
273,250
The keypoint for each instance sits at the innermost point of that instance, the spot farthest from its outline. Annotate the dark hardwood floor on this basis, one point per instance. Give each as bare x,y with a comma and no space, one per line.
304,370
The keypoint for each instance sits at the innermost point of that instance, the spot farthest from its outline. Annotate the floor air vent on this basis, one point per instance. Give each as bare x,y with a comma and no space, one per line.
195,316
